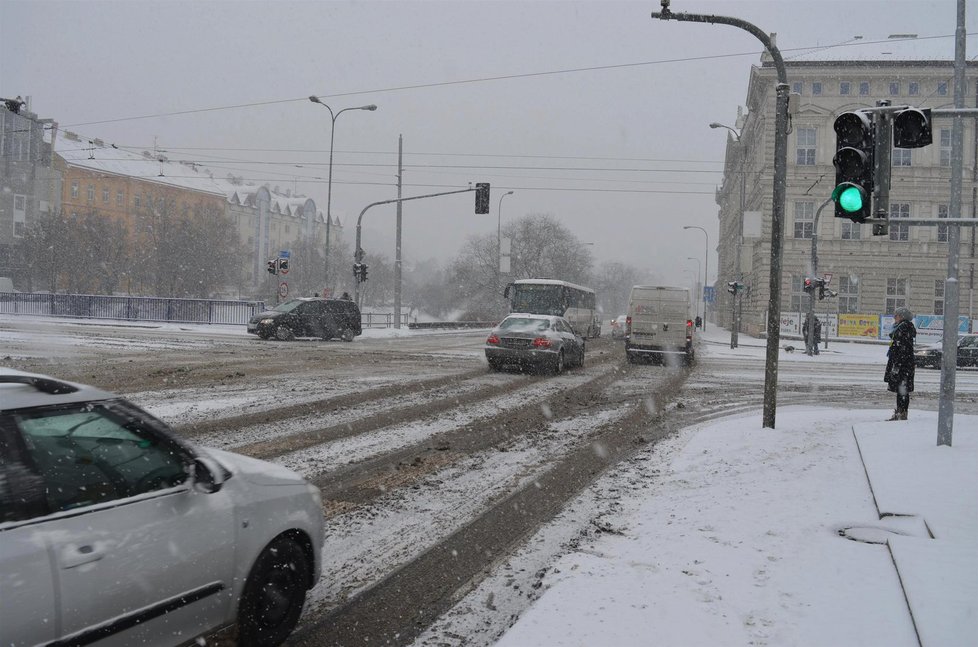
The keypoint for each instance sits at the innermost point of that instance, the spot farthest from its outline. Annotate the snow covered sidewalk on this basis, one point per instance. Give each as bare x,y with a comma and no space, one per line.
754,536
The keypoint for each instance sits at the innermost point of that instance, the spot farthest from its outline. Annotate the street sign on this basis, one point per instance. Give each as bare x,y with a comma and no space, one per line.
283,289
285,254
709,295
828,277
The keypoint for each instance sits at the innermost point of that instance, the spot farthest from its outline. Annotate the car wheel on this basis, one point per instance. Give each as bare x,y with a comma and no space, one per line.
282,333
494,365
631,357
558,366
347,335
273,595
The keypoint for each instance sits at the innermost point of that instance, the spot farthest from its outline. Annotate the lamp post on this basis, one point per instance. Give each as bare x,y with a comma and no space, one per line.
735,324
706,272
499,239
698,283
329,181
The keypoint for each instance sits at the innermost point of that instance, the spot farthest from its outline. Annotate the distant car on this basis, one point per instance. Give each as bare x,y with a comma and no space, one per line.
931,356
308,317
618,327
115,531
534,341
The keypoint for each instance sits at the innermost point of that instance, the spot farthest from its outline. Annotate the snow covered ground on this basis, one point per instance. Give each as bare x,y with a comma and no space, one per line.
832,529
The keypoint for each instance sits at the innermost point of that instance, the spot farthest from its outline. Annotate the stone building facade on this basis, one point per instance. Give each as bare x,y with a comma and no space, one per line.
873,274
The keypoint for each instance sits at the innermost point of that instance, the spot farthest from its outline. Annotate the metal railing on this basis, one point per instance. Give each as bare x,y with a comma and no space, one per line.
126,308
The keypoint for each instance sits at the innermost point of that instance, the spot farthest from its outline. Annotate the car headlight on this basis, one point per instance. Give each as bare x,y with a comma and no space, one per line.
266,321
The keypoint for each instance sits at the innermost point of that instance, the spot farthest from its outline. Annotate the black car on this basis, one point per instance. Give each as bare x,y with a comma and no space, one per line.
930,357
308,317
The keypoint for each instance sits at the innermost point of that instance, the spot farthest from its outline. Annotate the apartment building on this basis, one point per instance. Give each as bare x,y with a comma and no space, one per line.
29,186
872,274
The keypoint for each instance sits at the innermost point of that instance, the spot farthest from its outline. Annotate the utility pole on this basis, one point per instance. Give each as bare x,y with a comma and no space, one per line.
397,245
945,413
779,190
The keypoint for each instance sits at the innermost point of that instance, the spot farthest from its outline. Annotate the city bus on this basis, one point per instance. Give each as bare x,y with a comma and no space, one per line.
552,297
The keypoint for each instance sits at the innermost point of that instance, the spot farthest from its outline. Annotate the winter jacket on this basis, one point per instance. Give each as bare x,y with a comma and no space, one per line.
900,365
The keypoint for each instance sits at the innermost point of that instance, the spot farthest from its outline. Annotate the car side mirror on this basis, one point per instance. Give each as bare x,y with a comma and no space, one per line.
208,475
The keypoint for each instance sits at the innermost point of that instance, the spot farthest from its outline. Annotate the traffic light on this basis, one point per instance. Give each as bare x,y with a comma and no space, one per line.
272,266
283,265
732,287
356,271
363,272
809,286
854,165
911,128
482,198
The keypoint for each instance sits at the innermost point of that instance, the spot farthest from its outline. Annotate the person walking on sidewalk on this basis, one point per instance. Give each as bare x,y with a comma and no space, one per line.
900,363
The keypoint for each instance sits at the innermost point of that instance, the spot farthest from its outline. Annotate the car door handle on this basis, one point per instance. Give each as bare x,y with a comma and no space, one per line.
73,555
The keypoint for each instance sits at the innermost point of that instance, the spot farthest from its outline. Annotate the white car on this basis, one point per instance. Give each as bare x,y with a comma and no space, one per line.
116,532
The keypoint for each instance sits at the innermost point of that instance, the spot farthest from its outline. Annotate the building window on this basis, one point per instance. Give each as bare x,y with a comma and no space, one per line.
816,87
804,219
863,88
845,88
74,189
899,210
91,193
797,87
137,201
105,196
851,230
894,89
20,215
942,211
848,294
901,157
896,294
799,300
942,88
913,88
805,153
939,297
120,198
945,146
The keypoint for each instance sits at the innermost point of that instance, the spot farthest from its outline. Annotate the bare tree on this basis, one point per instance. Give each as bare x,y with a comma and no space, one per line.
612,284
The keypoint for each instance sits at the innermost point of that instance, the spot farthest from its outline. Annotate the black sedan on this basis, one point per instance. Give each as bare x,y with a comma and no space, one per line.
535,341
930,357
308,317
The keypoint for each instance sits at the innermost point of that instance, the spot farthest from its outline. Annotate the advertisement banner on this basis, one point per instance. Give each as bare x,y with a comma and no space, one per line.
790,323
930,328
830,324
859,326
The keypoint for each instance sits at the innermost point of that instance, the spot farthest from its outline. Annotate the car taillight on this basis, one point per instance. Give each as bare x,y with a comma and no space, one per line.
689,323
628,325
492,339
541,342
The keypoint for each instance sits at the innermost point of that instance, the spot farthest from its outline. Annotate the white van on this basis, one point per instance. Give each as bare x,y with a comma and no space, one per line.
658,326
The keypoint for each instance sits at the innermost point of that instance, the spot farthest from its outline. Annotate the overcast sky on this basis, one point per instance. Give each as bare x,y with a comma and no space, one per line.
499,92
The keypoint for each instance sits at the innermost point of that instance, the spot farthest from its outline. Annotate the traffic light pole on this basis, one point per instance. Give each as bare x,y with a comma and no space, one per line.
810,337
358,254
777,212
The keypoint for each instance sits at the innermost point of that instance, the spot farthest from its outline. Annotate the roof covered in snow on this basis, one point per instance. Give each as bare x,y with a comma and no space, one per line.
904,48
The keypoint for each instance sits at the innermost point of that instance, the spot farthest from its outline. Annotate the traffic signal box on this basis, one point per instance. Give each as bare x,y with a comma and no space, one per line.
482,198
911,128
854,162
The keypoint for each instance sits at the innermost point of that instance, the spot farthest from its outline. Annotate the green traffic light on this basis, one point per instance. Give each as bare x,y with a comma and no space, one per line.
851,199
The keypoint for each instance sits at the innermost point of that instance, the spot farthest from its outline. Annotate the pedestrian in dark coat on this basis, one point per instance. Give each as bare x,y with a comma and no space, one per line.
900,363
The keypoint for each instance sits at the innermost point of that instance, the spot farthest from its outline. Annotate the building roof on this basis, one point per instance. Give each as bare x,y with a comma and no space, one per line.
903,48
95,155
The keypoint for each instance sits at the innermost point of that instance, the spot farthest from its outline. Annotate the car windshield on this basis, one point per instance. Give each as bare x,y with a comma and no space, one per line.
524,324
288,306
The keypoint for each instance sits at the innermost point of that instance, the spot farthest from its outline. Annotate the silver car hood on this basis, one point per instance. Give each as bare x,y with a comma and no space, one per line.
254,470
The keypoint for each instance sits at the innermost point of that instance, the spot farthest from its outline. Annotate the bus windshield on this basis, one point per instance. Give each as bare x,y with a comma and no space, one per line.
539,299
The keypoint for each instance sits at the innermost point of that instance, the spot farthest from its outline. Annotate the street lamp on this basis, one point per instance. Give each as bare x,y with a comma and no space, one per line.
706,263
698,268
735,315
499,239
329,181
